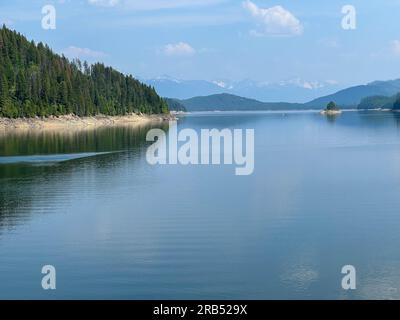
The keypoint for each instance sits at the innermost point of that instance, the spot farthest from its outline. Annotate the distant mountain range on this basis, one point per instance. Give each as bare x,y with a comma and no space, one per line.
378,94
294,90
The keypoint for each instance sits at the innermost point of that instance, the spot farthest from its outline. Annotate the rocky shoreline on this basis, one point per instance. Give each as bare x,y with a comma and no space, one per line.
71,122
331,112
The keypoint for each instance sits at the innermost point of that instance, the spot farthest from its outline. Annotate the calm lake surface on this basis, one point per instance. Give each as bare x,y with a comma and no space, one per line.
325,193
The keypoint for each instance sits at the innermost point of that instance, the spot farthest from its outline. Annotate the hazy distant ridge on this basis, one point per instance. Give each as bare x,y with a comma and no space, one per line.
376,94
229,102
351,97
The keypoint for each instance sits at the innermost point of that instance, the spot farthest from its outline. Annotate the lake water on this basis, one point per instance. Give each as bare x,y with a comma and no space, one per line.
325,193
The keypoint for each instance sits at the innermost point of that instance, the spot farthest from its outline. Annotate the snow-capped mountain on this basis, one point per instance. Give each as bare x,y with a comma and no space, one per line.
292,90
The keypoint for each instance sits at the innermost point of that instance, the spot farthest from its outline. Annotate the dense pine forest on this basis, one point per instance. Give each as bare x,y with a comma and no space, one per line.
34,81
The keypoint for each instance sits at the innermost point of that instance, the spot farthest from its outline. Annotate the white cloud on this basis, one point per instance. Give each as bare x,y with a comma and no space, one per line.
273,21
396,47
179,49
84,53
222,84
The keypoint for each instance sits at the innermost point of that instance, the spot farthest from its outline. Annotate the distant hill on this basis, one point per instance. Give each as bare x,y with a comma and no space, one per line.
378,94
175,105
379,102
229,102
375,95
292,90
351,97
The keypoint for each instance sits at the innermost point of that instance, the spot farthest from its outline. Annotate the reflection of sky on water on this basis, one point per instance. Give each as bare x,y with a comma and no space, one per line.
323,195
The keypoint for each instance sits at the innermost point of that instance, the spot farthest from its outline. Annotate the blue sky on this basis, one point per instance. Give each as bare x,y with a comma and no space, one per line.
263,40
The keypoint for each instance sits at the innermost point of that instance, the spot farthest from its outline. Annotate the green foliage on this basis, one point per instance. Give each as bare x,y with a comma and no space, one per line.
34,81
229,102
175,104
381,102
332,106
376,102
396,104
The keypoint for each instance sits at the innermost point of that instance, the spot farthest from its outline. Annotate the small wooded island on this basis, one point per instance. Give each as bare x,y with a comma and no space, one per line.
331,109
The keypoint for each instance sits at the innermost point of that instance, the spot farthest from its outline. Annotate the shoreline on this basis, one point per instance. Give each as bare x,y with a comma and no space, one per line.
318,111
331,112
72,122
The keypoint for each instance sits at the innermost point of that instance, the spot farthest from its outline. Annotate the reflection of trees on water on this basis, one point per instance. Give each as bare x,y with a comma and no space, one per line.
396,117
24,187
366,119
74,141
378,118
331,118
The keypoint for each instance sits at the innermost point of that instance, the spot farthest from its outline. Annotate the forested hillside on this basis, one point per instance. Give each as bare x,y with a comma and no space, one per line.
34,81
229,102
352,96
175,105
380,102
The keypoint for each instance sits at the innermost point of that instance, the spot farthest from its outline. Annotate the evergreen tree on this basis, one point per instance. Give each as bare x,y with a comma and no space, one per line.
396,104
332,106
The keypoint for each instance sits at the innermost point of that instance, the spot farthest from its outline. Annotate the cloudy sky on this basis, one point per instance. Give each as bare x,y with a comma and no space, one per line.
263,40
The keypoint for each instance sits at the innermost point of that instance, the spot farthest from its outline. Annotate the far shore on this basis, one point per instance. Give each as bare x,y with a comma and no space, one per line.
72,122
